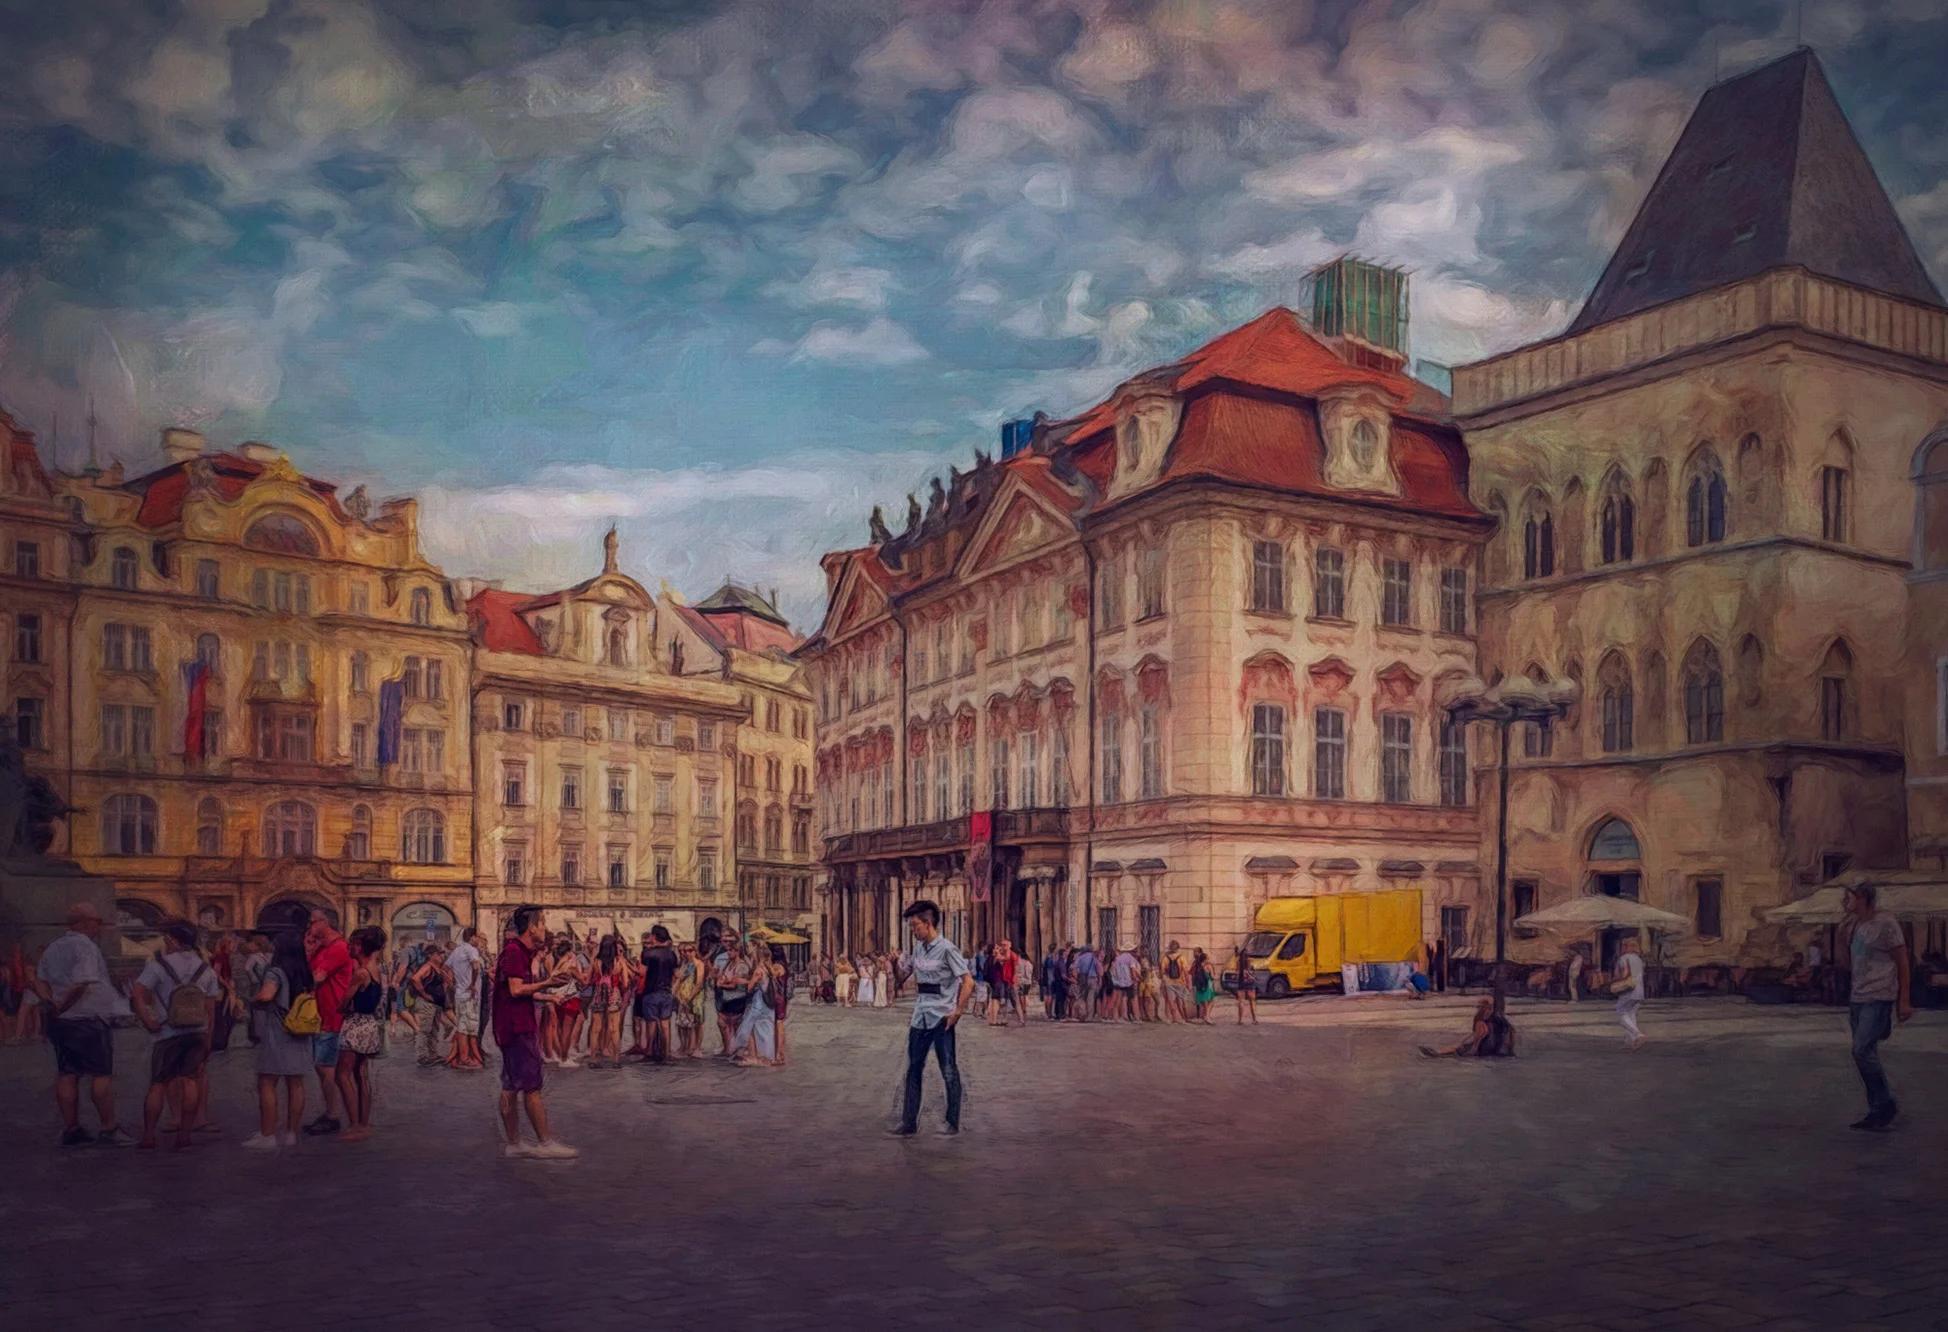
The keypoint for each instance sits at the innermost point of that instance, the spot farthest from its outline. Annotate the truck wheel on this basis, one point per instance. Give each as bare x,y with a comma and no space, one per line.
1278,988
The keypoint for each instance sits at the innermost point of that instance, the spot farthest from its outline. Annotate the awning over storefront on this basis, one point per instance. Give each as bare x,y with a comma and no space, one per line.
1904,895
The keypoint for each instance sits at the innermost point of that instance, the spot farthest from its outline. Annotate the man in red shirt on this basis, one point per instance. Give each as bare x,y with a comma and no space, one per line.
518,1035
331,976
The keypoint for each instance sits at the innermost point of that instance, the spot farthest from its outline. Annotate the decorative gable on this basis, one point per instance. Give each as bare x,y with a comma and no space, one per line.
1356,425
1018,524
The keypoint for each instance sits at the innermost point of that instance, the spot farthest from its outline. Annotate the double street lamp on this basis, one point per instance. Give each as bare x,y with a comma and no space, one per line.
1518,699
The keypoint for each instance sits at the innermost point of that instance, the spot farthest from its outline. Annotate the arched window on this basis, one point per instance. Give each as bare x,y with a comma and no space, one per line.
358,843
1614,841
1705,501
422,837
1835,705
1930,475
1836,489
1616,867
209,827
1538,539
282,534
121,568
290,829
1619,704
128,826
209,653
1618,522
618,653
422,606
1704,695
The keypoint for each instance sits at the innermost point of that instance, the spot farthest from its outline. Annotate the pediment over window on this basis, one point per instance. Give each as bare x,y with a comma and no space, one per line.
1331,675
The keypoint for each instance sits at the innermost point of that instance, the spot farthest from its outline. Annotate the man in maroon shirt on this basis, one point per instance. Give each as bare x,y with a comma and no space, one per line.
331,975
516,1032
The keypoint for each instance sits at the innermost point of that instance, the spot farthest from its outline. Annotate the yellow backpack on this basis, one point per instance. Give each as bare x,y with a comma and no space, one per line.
301,1018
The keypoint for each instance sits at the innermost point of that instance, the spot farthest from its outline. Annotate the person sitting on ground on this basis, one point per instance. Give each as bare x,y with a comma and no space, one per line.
1492,1036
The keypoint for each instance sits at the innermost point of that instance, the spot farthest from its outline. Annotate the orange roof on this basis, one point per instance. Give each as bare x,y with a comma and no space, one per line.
497,625
743,629
163,490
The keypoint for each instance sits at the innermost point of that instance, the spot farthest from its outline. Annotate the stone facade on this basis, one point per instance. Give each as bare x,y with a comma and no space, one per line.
1181,652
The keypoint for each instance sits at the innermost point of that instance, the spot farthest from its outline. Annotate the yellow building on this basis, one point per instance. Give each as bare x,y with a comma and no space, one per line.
1705,489
605,761
740,637
37,545
1182,652
234,625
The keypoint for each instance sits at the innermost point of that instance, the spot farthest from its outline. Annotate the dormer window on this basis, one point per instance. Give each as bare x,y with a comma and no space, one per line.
1365,440
1355,424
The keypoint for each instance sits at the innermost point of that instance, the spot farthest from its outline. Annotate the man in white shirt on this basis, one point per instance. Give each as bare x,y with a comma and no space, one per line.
182,1037
72,980
943,983
1629,990
1881,977
465,963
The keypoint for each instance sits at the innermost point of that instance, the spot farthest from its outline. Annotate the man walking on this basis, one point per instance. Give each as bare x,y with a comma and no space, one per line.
657,1003
519,1036
172,999
72,982
466,966
331,977
937,968
1879,996
1629,990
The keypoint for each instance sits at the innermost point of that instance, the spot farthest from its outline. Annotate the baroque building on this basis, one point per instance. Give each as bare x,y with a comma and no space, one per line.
742,638
1704,489
233,625
606,756
1161,661
39,541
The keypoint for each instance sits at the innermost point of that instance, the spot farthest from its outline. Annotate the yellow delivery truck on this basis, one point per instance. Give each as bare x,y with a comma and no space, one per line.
1300,943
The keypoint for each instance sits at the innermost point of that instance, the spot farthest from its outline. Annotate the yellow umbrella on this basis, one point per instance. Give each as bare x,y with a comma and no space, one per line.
765,934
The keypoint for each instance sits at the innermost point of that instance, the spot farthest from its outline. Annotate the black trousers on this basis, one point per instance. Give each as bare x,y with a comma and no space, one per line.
938,1038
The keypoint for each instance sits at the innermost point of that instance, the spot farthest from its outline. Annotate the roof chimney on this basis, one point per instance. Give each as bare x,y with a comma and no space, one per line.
258,451
180,444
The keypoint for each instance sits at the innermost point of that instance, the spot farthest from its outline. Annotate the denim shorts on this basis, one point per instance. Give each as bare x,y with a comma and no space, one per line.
324,1048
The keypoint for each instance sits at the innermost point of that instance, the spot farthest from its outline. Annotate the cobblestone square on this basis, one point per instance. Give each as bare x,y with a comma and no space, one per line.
1313,1171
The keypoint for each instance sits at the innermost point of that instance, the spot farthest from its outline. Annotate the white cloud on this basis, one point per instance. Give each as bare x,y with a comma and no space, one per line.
881,342
859,285
491,319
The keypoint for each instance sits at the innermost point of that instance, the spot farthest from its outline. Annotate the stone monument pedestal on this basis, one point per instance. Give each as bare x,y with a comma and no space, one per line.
35,892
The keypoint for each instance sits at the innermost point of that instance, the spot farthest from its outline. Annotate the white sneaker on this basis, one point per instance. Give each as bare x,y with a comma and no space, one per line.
287,1139
553,1151
260,1142
517,1149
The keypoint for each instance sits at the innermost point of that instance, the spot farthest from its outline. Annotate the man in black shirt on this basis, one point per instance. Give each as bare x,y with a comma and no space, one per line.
657,1004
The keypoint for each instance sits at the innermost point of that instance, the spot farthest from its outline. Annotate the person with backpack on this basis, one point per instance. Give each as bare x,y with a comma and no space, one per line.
1176,984
283,1017
173,999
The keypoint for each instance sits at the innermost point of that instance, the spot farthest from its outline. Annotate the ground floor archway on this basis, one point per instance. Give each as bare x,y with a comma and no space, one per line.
420,920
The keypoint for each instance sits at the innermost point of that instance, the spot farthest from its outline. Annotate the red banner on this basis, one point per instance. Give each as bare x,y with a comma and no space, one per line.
980,854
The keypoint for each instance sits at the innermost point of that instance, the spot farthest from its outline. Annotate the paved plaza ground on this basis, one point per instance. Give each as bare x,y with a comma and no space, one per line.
1313,1171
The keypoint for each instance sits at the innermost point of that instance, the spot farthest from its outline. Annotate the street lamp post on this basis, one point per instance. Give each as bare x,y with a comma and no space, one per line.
1504,704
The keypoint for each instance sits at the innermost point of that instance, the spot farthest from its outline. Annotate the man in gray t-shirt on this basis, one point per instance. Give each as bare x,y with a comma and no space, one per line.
72,980
1880,994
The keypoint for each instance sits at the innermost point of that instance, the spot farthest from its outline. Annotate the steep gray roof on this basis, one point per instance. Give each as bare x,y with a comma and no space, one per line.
1767,174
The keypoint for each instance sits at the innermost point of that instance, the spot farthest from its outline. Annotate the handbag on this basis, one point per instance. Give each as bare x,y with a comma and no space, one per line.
360,1034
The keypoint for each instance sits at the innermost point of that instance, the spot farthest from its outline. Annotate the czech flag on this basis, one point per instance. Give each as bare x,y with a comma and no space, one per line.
197,678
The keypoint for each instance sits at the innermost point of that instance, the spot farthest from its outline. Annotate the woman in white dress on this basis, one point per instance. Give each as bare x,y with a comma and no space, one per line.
868,975
883,982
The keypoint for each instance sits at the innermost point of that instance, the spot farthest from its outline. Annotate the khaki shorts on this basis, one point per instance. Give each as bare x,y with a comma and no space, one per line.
178,1057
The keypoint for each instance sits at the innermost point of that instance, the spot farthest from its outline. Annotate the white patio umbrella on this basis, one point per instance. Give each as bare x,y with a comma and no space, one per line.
1910,899
1598,912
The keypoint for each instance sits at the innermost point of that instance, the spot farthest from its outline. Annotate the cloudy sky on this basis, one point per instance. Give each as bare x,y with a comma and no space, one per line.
731,273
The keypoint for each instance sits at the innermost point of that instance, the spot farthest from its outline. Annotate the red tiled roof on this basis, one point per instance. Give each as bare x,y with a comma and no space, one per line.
753,633
497,625
163,490
705,629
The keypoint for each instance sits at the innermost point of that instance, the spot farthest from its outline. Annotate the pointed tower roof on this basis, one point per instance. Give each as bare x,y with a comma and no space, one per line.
1767,174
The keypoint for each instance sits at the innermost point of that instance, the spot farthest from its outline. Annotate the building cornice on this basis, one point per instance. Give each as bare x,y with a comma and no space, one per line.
1608,572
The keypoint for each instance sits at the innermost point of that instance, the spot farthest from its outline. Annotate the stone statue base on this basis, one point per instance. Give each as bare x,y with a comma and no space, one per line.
35,892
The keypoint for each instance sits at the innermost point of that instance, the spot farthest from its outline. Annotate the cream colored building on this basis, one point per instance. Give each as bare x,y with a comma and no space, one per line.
739,636
605,762
1704,489
38,541
295,604
1182,652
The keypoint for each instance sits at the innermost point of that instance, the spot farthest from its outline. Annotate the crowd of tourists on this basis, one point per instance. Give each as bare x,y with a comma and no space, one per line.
1106,983
319,1006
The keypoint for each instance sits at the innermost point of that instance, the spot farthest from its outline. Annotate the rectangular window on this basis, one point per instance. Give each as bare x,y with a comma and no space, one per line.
1030,793
1149,582
707,870
513,716
361,746
1149,753
618,791
140,658
941,665
1522,895
1329,583
1267,576
889,789
571,723
1454,764
114,730
1396,758
281,591
209,584
1109,596
1396,592
114,647
212,732
1538,740
707,797
435,750
571,863
1329,754
515,864
514,784
412,751
260,589
294,738
1111,739
618,867
29,732
304,663
412,679
665,794
1003,620
943,782
360,678
1454,930
707,737
773,772
1711,903
571,788
917,810
666,730
361,599
964,777
997,772
435,683
618,725
1058,766
1833,503
1267,750
771,716
967,651
1454,601
27,639
662,869
302,602
27,559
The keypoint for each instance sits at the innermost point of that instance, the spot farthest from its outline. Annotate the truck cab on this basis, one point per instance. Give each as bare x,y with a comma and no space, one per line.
1282,962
